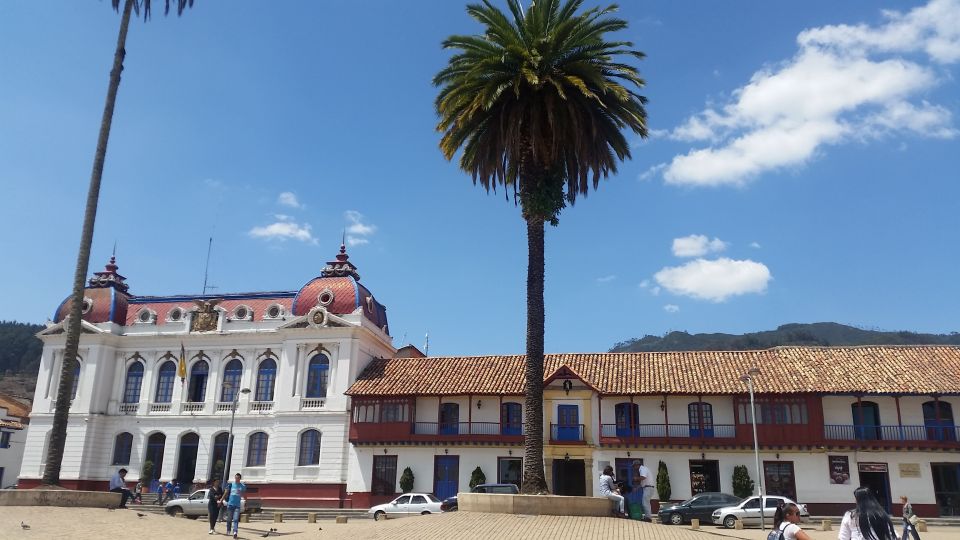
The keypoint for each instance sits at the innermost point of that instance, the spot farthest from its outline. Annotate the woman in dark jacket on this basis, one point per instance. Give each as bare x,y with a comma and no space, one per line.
213,503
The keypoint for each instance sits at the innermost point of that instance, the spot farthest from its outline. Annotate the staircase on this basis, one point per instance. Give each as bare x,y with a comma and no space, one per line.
300,514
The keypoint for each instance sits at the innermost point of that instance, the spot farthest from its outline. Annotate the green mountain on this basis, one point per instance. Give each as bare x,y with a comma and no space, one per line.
822,334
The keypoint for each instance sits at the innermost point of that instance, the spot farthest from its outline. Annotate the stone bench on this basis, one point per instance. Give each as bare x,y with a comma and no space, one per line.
59,497
535,505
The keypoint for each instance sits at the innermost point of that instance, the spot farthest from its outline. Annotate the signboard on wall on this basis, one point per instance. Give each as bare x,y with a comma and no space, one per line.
872,467
909,470
839,469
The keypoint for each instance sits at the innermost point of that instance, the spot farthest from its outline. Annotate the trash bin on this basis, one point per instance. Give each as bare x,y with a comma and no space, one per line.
636,511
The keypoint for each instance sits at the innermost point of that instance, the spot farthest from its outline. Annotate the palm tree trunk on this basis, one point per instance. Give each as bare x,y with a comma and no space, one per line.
58,435
533,478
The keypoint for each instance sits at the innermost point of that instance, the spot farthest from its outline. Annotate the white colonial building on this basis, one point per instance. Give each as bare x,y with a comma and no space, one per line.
283,359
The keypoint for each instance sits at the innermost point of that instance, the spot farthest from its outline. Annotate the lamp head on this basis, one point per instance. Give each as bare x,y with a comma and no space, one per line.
244,390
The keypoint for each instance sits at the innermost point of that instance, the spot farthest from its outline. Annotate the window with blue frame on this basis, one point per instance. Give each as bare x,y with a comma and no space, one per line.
449,419
198,381
511,419
166,376
309,448
122,446
231,380
266,376
318,373
627,416
700,418
131,387
257,450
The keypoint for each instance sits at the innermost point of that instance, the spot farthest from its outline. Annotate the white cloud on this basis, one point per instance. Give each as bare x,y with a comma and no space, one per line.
843,84
606,279
697,245
671,308
358,232
715,280
284,229
755,245
287,198
651,172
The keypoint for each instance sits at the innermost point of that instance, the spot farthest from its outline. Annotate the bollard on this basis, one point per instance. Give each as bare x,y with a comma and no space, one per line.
341,519
695,524
826,525
738,525
244,518
278,517
311,517
921,526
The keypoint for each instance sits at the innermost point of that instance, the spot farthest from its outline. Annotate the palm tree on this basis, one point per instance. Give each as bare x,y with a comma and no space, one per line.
536,104
58,434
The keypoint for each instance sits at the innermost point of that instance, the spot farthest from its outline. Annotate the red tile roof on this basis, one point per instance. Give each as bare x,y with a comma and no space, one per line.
873,369
15,408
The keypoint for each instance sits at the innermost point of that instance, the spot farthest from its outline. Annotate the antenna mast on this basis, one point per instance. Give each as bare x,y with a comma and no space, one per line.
206,268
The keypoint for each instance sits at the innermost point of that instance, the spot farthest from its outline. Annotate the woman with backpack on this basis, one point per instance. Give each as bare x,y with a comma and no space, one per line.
786,524
868,521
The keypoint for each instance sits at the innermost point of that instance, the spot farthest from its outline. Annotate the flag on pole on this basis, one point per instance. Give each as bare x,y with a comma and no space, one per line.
182,367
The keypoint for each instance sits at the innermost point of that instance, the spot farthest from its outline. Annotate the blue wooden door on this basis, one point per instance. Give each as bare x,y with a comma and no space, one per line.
700,414
449,419
446,470
568,423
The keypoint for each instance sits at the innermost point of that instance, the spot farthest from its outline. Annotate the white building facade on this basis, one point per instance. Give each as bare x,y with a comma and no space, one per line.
13,436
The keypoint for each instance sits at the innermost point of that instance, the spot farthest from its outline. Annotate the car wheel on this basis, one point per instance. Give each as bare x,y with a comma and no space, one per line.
175,511
193,517
424,513
676,519
379,515
730,522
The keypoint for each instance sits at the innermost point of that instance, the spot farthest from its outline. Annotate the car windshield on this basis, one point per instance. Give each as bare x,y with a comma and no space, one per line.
692,500
432,498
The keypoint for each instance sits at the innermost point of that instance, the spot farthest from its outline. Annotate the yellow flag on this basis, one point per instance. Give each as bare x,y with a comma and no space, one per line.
182,368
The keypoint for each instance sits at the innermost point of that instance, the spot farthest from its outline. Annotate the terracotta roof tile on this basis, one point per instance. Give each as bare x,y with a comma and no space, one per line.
872,369
14,407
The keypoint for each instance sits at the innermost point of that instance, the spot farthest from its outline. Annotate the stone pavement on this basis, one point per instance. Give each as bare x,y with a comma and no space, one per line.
83,523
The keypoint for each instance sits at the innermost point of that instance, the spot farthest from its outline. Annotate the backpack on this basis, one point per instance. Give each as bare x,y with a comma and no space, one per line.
777,534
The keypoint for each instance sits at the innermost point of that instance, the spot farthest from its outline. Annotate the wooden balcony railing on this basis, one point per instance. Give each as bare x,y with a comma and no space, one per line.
564,433
435,431
643,432
858,432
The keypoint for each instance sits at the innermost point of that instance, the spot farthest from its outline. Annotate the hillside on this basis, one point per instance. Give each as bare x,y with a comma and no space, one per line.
822,334
19,358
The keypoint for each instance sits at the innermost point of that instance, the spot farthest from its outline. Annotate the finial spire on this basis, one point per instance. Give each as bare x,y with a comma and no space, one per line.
109,277
341,267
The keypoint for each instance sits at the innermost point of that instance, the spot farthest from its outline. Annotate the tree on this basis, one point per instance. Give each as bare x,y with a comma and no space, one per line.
742,484
536,104
58,434
477,477
406,481
663,483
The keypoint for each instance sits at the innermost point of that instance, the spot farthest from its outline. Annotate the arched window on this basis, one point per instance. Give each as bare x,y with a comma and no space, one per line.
231,380
198,381
219,456
628,419
167,374
155,444
76,380
309,448
511,419
317,375
938,420
700,416
131,388
257,450
121,449
266,376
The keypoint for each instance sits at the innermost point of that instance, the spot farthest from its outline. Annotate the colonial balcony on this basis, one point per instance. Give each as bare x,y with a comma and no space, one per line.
667,433
566,434
860,435
462,432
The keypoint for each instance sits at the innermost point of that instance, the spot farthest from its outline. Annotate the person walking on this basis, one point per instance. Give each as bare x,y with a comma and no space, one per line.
868,521
646,489
609,490
909,519
161,492
118,484
234,500
786,520
168,491
214,502
138,492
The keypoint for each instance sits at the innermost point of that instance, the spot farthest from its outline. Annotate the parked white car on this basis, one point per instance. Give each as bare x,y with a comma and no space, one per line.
195,505
408,504
748,511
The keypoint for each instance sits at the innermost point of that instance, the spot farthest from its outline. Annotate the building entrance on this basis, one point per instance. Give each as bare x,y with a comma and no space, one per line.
704,476
569,477
187,461
876,477
946,487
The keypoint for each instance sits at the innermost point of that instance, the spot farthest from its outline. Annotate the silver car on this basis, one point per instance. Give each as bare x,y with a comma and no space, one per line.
194,505
408,504
748,511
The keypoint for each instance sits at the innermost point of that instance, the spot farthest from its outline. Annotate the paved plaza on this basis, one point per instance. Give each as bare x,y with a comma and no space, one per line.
83,523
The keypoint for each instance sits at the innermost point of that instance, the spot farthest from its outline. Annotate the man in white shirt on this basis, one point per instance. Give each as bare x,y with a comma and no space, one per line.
119,485
646,485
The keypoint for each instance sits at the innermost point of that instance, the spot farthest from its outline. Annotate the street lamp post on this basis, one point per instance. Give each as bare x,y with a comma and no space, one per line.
233,414
748,378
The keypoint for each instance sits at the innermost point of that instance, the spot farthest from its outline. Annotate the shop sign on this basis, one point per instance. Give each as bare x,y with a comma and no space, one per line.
872,467
839,469
909,470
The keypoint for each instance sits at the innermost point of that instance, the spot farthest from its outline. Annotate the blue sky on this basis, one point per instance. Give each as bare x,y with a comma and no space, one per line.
802,168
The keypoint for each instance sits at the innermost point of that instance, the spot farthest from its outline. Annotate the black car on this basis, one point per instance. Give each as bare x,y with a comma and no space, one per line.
450,503
699,506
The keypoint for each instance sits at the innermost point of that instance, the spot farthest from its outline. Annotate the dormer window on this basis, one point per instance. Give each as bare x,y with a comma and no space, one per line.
87,306
326,297
275,311
146,316
175,315
242,313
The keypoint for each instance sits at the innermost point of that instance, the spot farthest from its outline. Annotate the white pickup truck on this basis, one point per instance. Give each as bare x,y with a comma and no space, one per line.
195,505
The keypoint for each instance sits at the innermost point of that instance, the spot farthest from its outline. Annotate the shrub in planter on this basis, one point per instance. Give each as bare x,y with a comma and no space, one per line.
742,484
406,481
477,477
663,482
